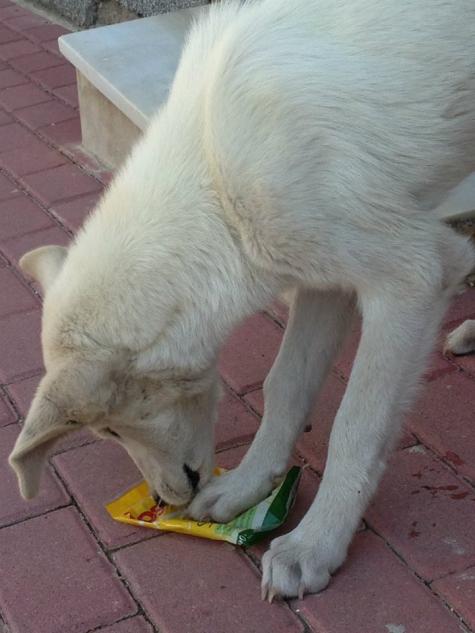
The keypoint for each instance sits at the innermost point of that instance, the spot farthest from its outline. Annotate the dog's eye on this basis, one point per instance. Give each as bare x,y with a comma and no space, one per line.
111,432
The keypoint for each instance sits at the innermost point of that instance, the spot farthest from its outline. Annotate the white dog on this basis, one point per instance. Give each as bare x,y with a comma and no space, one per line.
302,146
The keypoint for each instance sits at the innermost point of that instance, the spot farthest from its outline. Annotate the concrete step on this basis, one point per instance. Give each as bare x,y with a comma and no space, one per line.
124,74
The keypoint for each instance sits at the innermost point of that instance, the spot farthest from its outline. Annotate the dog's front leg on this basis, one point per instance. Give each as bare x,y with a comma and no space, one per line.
398,334
317,324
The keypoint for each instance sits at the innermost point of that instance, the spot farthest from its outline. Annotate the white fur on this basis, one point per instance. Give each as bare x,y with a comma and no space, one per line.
302,146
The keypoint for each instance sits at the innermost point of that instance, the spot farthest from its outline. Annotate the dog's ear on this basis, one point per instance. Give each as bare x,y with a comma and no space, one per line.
44,264
65,400
42,427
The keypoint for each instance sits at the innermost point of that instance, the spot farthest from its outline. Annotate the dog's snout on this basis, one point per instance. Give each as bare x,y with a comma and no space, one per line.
193,476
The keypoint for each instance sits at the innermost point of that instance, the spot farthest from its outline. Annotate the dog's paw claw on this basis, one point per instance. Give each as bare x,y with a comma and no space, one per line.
291,568
271,596
264,592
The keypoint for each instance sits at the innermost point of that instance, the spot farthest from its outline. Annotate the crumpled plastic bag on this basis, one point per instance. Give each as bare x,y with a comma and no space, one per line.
137,507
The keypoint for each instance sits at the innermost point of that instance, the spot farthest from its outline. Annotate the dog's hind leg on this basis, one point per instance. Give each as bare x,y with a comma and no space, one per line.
317,325
401,317
462,339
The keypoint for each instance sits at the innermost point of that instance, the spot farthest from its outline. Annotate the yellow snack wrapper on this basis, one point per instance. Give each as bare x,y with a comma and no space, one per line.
137,507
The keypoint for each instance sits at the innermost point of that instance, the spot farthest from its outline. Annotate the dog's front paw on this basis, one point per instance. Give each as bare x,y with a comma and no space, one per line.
462,339
226,496
294,566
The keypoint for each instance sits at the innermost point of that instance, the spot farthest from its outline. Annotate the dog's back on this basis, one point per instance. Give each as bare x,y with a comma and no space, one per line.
388,86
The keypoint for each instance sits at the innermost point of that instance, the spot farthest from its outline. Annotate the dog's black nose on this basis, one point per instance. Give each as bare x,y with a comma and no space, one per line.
193,476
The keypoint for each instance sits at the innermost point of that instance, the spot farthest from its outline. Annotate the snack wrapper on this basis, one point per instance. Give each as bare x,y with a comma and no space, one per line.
137,507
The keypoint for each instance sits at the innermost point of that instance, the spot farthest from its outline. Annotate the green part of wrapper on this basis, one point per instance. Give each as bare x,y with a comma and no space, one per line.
253,525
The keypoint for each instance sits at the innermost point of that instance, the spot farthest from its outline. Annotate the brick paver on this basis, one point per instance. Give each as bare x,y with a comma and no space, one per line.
236,424
36,156
56,77
459,591
443,420
22,96
9,78
52,47
463,306
7,414
20,297
20,216
17,49
426,513
20,345
466,364
375,593
35,61
22,392
14,136
8,189
137,624
63,133
5,117
423,513
60,183
69,94
73,213
12,10
46,33
25,22
6,35
95,475
249,353
223,596
71,585
43,114
229,458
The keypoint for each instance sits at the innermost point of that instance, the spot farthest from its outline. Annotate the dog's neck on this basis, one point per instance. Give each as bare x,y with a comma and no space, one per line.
157,271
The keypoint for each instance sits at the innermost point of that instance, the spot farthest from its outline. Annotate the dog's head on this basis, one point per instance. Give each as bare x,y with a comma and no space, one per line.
164,419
